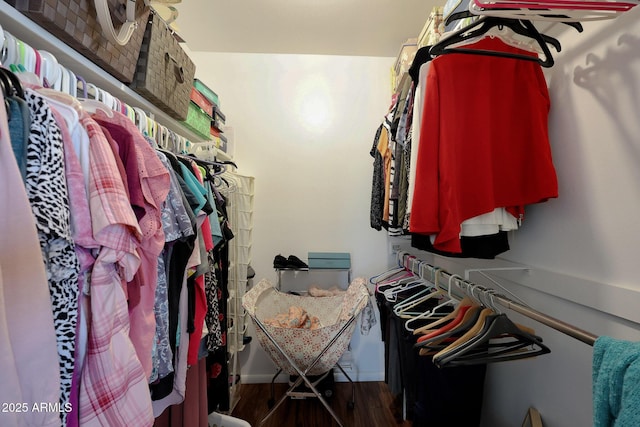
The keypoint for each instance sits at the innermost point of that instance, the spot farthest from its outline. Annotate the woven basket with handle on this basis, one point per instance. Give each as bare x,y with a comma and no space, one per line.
164,73
75,23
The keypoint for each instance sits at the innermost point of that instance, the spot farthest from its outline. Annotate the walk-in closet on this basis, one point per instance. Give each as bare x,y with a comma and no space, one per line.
318,214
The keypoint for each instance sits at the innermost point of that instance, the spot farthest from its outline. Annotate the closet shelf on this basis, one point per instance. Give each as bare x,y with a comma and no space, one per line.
221,155
34,35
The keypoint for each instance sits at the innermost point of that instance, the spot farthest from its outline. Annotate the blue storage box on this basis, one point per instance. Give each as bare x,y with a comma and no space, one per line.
329,260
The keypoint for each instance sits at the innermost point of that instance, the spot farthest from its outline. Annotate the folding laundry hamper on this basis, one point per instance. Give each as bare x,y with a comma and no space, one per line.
306,352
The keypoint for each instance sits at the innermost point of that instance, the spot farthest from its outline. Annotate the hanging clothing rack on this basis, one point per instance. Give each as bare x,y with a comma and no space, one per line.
444,278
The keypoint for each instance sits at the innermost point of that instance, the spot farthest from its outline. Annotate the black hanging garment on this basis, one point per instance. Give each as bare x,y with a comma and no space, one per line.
217,364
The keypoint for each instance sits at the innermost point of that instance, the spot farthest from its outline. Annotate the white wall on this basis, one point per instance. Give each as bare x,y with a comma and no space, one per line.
313,188
303,126
583,246
591,231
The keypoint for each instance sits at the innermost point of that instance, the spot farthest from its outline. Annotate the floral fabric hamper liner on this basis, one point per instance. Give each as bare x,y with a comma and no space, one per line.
303,346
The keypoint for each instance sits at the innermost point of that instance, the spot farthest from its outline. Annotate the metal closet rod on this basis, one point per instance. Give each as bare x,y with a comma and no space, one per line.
464,285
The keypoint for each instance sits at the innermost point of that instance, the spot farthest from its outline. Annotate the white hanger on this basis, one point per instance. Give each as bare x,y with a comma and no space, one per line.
73,83
404,283
166,138
110,100
93,105
401,309
392,286
49,70
92,91
93,101
26,56
402,268
2,41
61,97
88,105
161,136
65,81
72,117
122,36
386,275
131,114
181,144
153,128
57,83
9,49
27,60
141,120
434,311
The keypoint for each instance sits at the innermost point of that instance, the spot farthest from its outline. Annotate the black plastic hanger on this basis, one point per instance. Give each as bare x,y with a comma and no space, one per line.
11,83
496,352
5,84
217,163
227,162
548,39
516,344
468,14
482,26
422,56
6,92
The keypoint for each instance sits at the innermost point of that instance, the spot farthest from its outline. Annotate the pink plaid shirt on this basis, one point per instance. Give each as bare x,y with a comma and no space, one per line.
113,389
154,181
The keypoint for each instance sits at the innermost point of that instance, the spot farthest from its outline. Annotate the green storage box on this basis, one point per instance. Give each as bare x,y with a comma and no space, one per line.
208,93
198,121
329,260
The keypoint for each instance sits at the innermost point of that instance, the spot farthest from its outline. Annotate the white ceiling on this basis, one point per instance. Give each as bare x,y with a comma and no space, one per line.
325,27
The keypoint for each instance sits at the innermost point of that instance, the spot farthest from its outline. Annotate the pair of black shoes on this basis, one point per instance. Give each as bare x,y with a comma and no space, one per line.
292,262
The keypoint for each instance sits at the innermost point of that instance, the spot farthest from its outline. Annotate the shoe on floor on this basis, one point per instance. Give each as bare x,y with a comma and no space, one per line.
280,262
295,262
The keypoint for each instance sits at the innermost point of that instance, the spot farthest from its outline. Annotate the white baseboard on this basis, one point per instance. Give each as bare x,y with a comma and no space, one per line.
282,378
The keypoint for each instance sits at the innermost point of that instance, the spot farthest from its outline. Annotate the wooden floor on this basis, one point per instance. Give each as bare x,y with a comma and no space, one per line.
373,407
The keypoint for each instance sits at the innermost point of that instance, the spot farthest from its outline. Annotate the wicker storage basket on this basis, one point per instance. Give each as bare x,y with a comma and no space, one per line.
164,74
75,23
